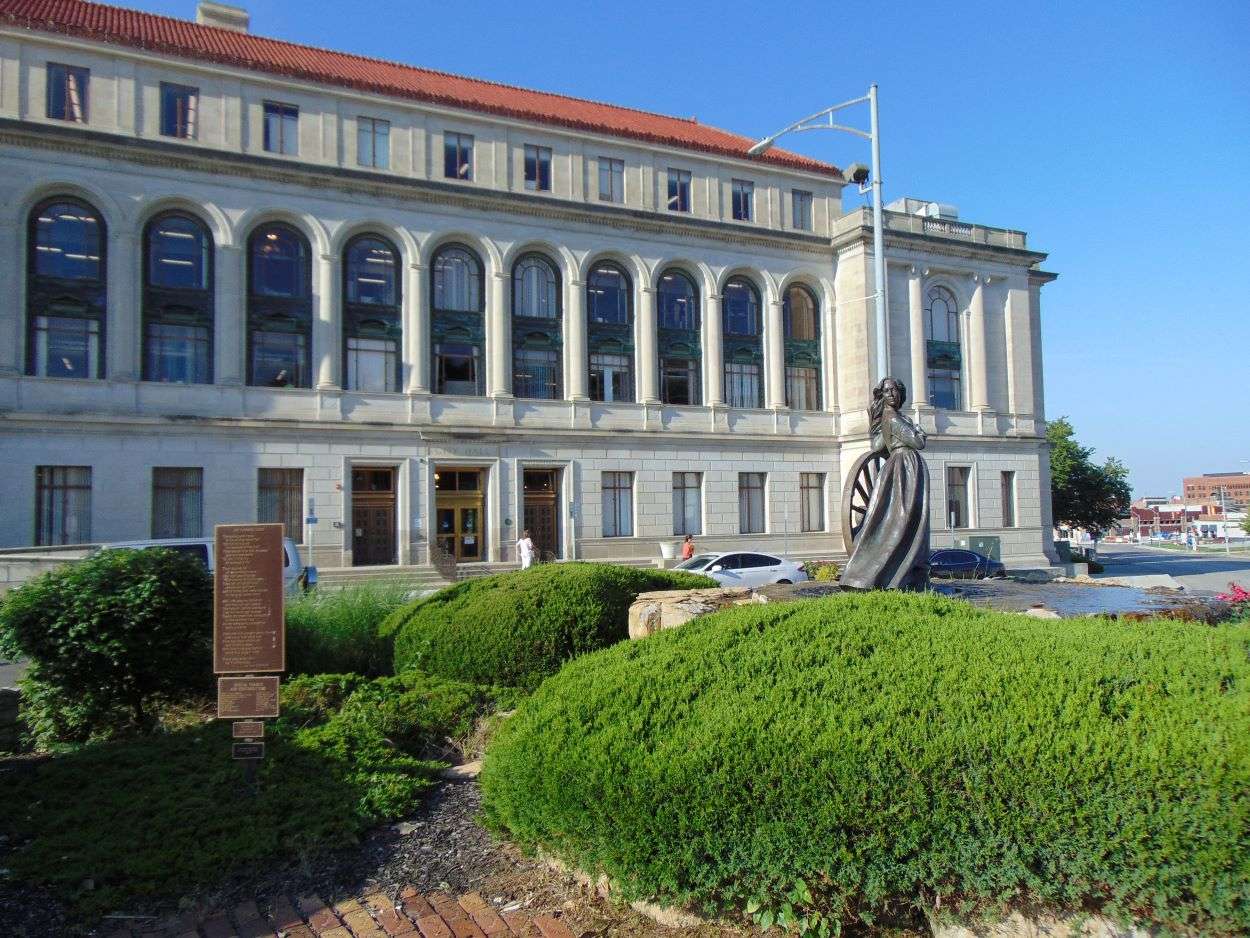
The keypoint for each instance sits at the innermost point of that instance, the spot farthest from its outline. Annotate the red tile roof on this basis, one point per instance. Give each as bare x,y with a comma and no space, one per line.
185,39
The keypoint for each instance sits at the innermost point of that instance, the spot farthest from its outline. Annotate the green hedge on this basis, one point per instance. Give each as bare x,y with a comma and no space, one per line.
109,638
517,628
840,759
331,631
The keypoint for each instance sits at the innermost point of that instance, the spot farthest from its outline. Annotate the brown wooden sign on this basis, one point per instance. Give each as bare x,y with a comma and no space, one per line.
240,698
247,729
249,634
247,750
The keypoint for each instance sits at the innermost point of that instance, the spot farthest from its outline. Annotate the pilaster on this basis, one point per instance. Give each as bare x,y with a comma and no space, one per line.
980,385
417,330
230,317
577,356
122,331
714,360
498,338
775,356
648,360
919,390
328,328
12,311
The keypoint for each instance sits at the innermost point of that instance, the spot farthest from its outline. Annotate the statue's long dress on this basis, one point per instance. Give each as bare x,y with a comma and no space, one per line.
892,549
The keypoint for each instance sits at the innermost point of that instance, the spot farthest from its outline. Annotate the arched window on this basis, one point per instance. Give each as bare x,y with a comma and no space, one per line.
801,316
279,307
457,327
610,335
177,300
371,318
536,336
66,290
677,309
943,354
744,352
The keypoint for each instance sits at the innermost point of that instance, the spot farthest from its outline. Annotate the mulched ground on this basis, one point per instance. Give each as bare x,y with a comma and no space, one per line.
441,849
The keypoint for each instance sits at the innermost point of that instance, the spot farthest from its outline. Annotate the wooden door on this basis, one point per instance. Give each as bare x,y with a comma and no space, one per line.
373,517
540,520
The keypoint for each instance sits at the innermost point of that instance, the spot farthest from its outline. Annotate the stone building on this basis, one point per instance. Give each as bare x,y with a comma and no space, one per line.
254,280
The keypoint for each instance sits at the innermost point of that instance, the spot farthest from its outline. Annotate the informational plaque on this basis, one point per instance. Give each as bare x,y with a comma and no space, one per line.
247,729
241,698
247,750
249,634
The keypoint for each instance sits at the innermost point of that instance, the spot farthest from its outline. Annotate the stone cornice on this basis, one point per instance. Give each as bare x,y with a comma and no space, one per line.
861,236
358,182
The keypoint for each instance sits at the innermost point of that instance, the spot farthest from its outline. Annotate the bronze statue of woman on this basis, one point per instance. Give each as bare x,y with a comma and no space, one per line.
892,548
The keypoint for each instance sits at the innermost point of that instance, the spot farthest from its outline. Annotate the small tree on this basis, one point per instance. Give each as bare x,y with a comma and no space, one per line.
1084,494
108,637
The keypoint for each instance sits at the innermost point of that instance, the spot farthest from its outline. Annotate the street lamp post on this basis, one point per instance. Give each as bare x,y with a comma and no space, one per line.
823,120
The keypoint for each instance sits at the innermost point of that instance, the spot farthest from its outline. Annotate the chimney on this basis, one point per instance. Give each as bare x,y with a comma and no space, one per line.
222,16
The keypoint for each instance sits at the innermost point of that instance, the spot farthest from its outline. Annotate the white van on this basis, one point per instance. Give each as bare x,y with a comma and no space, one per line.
202,548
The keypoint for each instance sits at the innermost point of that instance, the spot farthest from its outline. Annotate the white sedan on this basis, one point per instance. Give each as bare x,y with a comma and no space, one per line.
742,569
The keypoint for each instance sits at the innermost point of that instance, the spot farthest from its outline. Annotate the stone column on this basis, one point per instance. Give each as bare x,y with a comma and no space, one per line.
122,335
774,357
576,352
648,359
919,390
230,317
977,346
416,317
714,351
499,338
12,312
328,327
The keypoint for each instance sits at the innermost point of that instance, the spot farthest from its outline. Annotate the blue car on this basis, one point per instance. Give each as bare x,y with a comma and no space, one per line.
959,564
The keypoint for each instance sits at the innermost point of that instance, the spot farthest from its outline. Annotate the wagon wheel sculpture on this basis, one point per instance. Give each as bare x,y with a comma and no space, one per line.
856,494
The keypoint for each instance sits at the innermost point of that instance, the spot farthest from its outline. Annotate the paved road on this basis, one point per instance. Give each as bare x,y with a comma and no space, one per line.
1196,572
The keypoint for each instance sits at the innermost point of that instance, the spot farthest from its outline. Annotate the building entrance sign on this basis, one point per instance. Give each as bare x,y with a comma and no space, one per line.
249,633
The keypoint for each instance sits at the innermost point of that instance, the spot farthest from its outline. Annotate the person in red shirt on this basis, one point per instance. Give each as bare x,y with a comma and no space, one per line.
687,547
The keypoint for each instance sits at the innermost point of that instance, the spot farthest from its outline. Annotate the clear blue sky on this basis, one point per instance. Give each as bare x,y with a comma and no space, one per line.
1116,134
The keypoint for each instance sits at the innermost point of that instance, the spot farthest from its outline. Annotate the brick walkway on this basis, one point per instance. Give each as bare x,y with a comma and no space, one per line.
376,915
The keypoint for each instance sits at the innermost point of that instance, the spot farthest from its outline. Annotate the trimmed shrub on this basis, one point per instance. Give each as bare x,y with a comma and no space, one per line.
109,637
516,628
835,760
329,631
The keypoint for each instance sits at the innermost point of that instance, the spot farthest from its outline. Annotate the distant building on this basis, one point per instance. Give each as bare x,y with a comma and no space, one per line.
1236,486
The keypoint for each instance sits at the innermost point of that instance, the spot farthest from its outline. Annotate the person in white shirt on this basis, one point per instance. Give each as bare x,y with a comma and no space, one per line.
525,550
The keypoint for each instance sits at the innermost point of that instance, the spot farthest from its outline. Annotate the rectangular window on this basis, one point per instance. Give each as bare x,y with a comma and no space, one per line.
281,128
537,168
67,347
618,504
458,156
458,369
279,360
944,391
742,385
179,106
177,502
372,365
751,502
611,180
280,499
611,378
176,354
678,190
373,142
1009,499
687,503
801,209
743,199
679,381
802,388
957,505
536,373
62,505
812,501
67,92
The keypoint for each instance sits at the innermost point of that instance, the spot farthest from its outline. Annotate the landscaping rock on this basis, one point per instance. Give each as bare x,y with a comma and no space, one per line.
1046,926
1041,612
462,773
668,609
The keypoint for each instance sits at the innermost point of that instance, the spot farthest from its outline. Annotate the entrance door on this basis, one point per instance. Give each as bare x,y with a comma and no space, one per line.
459,512
373,517
541,497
